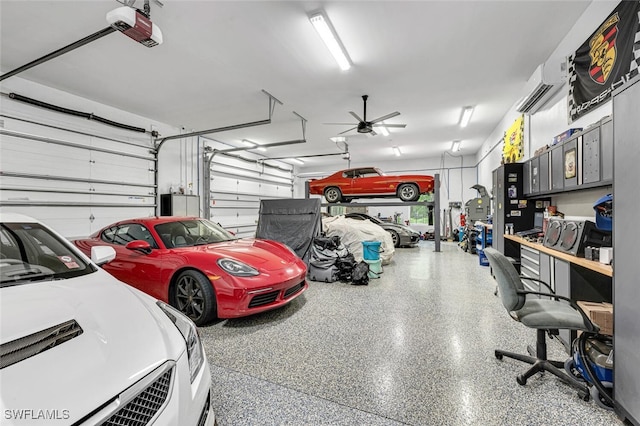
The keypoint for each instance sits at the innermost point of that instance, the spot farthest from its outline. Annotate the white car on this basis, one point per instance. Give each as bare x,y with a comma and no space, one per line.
78,346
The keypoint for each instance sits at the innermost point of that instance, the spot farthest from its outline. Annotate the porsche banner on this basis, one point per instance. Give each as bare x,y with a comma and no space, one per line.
609,58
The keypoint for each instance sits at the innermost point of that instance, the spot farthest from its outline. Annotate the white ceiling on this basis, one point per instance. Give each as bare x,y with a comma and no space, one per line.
425,59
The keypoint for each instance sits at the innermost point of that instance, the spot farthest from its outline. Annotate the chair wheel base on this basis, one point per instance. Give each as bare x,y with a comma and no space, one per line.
498,355
521,380
585,396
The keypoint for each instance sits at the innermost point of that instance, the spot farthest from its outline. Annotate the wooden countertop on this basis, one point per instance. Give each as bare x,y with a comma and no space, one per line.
585,263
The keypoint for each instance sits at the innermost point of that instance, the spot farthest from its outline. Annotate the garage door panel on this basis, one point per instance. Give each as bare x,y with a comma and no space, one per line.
35,157
68,222
122,168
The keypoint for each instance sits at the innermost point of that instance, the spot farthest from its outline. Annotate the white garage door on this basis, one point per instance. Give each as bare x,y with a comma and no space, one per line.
77,181
237,184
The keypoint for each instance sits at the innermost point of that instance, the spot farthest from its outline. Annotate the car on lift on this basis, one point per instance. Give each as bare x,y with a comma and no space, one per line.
402,235
370,182
79,347
200,268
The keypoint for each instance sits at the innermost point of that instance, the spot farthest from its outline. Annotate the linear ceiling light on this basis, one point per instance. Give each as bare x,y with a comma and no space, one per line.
383,129
296,160
396,151
455,146
323,26
466,116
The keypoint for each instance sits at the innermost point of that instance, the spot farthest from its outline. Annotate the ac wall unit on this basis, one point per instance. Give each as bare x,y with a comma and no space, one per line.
541,86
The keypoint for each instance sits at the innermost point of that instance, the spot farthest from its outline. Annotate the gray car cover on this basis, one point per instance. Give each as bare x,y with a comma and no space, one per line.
292,221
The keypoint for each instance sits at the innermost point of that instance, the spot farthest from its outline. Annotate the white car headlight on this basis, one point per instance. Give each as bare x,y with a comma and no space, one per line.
237,268
189,331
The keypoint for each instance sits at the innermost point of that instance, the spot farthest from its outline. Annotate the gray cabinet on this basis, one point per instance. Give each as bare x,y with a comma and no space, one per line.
591,156
179,205
562,286
606,149
626,294
527,177
557,168
570,167
545,270
530,267
534,173
543,171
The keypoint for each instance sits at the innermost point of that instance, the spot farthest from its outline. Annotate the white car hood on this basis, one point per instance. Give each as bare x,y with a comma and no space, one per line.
124,338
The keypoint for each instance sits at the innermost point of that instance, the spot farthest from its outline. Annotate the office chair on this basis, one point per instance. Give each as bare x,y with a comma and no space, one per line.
546,314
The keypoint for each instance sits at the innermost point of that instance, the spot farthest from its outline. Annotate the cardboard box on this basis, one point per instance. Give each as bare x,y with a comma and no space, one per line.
599,313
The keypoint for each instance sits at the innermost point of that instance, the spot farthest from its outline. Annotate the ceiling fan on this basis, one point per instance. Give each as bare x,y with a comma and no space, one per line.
364,126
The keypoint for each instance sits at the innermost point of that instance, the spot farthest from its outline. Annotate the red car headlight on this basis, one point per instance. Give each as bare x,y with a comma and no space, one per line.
236,268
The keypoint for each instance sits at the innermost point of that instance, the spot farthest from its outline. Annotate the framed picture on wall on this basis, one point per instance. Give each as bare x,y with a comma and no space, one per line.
570,164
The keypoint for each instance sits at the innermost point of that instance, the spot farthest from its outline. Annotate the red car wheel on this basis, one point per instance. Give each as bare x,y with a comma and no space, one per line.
194,297
408,192
332,194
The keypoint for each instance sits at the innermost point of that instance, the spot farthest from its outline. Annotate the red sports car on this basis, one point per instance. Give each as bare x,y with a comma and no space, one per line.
370,182
200,268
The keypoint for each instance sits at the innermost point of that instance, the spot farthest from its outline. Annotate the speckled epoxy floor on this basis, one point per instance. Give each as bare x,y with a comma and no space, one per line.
413,347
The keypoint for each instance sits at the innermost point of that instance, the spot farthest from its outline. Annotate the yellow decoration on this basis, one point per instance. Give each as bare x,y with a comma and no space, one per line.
514,141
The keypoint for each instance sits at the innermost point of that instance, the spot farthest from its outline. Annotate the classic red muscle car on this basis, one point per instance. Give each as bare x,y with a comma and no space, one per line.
370,182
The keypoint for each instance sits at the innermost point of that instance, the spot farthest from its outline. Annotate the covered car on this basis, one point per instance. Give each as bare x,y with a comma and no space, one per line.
402,235
200,268
79,347
370,182
353,232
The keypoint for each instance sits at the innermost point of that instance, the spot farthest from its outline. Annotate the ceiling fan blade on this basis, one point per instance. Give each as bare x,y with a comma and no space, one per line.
356,116
385,117
346,131
400,126
342,124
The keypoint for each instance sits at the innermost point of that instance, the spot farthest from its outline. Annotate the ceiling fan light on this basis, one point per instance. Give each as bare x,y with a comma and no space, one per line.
455,146
396,151
466,116
326,31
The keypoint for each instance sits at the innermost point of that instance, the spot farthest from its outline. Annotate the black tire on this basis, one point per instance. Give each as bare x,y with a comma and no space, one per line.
193,295
395,237
332,194
408,192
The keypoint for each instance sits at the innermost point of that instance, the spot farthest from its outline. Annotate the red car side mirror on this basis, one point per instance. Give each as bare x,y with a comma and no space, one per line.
139,245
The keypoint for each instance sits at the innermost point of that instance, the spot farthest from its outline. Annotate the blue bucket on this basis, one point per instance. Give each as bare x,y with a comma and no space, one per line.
371,250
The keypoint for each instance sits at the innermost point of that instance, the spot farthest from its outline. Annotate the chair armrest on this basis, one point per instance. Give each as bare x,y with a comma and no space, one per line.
592,328
522,277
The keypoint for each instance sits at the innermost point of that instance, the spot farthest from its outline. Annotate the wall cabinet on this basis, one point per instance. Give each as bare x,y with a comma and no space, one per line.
179,205
626,297
583,161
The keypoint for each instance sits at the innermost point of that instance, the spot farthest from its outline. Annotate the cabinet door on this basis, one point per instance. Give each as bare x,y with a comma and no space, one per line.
543,173
591,156
498,214
527,177
561,280
557,168
606,149
570,163
545,271
535,175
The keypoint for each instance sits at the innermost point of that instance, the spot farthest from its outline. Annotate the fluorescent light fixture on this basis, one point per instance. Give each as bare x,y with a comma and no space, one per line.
455,146
466,116
296,160
330,38
261,149
396,151
383,129
339,139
